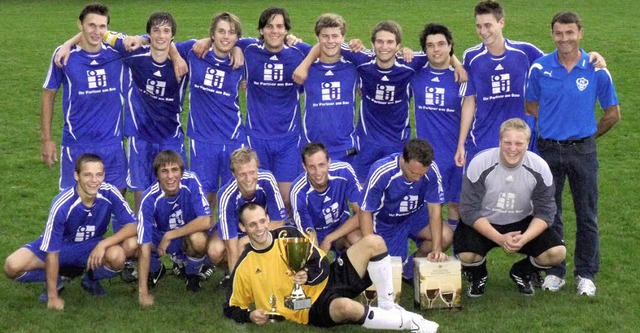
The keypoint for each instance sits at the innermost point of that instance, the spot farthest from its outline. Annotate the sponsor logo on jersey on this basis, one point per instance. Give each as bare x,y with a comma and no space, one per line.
506,200
385,93
582,83
330,91
408,204
500,83
273,72
84,233
214,78
155,87
434,96
96,78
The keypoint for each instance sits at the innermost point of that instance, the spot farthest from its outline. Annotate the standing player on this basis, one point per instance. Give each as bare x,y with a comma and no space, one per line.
321,197
250,184
91,103
437,110
74,235
561,92
273,98
174,216
330,93
261,275
403,199
215,124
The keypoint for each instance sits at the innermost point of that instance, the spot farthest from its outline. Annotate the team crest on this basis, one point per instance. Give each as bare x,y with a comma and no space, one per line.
582,83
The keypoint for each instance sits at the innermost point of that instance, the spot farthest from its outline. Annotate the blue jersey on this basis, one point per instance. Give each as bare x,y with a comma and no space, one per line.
329,105
230,200
273,99
567,100
155,97
392,198
92,96
159,212
384,107
498,84
326,211
70,221
214,108
437,108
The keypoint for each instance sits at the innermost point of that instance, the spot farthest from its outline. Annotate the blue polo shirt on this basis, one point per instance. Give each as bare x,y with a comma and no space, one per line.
567,99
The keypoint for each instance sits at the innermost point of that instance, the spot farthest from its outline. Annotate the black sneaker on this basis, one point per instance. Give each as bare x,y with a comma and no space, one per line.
179,270
154,277
225,283
536,279
206,271
476,286
193,283
523,282
129,273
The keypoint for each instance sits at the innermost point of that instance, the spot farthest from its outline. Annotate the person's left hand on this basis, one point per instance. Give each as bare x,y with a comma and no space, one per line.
95,257
300,277
164,244
437,256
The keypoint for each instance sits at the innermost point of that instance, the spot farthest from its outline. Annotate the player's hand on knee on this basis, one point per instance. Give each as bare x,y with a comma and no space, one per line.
437,256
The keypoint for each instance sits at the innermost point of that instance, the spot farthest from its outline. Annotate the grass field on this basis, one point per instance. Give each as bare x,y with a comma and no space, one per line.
32,29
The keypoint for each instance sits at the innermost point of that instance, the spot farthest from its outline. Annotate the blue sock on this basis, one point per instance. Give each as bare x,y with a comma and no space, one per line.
407,270
453,223
102,272
194,265
36,275
154,263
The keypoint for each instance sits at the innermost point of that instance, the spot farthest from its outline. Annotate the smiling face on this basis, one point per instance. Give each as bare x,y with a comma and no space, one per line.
330,40
247,177
567,37
317,167
89,179
385,46
274,33
224,38
513,146
169,176
489,29
92,28
438,49
255,222
161,36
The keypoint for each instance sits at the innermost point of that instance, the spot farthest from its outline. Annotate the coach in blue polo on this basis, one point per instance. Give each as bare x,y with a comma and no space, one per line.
562,91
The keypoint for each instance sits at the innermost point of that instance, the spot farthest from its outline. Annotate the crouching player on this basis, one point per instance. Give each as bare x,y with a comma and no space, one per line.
73,236
173,219
261,275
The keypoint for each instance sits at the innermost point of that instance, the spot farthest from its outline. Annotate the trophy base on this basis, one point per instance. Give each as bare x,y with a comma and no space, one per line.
275,317
294,303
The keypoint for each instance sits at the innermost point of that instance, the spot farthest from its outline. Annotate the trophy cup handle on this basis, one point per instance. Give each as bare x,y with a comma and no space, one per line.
311,235
281,235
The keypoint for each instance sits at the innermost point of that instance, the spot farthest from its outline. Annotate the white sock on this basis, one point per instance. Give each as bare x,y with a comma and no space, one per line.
382,278
381,319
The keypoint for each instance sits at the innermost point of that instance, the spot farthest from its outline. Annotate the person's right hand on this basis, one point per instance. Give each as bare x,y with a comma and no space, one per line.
62,56
459,157
259,316
146,300
55,303
48,153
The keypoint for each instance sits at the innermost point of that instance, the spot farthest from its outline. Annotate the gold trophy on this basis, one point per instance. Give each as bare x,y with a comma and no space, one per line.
273,315
295,252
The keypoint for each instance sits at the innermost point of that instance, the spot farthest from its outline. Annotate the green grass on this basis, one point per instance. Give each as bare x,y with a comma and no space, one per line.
32,29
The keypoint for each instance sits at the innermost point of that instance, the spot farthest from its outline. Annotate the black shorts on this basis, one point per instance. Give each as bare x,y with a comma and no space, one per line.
344,281
467,239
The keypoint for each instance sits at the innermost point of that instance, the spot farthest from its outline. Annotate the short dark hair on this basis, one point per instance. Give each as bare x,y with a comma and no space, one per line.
434,29
86,158
268,15
94,8
248,206
312,148
418,150
159,18
167,157
489,7
388,26
331,20
233,20
567,18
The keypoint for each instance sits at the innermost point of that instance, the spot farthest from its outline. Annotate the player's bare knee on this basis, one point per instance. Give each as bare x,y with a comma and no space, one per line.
345,310
11,269
552,256
115,257
130,246
469,257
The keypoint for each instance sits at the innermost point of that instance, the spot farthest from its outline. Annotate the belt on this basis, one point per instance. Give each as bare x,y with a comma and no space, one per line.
566,142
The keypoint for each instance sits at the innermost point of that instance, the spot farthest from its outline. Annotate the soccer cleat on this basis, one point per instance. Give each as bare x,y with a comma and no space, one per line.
536,279
206,271
93,287
586,286
552,283
62,282
154,277
193,283
476,287
424,326
523,282
129,273
179,270
225,283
